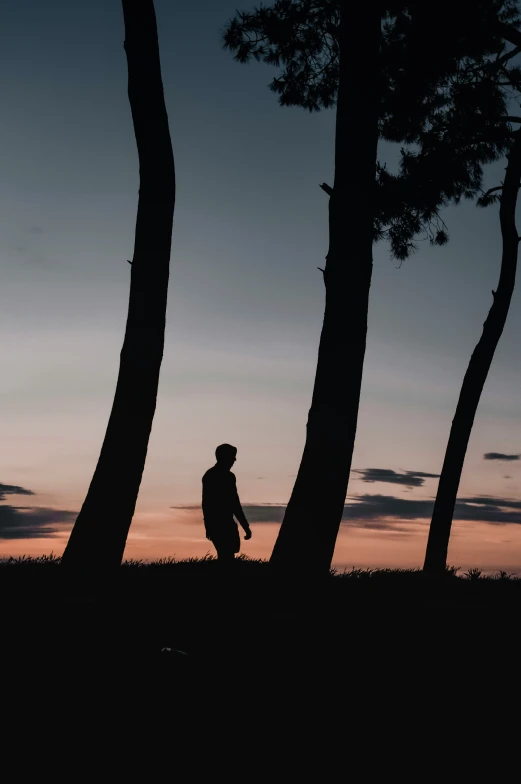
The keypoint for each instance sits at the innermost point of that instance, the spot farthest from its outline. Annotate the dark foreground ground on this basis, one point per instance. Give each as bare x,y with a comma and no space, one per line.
175,650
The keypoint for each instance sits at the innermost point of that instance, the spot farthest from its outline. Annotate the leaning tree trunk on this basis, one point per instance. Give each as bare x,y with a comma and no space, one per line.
477,372
101,529
312,520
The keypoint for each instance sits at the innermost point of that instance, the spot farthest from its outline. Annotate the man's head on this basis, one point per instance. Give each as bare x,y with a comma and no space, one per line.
225,455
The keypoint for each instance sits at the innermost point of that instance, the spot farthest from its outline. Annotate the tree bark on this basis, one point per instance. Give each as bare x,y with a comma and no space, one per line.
310,527
99,535
477,372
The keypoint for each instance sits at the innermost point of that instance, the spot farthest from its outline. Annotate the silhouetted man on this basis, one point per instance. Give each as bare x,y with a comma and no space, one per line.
221,503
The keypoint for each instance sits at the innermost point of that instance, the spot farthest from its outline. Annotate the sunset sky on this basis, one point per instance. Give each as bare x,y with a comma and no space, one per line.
245,305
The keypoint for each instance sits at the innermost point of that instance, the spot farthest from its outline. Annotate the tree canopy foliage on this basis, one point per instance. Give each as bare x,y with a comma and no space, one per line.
441,97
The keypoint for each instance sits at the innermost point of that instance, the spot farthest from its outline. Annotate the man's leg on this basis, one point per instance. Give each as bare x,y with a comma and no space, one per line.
226,561
225,556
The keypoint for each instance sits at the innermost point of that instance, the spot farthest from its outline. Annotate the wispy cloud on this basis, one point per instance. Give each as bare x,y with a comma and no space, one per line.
499,456
256,513
13,490
407,478
264,513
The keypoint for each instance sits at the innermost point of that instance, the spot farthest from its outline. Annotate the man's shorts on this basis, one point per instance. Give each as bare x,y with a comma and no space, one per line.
226,537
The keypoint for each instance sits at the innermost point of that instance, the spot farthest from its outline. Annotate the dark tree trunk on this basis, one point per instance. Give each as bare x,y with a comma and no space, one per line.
310,526
477,372
99,535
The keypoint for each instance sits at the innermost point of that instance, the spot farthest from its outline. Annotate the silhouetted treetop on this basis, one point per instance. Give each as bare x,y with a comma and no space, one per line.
301,37
443,94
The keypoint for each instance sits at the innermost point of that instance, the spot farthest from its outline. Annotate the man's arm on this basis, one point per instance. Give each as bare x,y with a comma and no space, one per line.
206,512
208,529
238,511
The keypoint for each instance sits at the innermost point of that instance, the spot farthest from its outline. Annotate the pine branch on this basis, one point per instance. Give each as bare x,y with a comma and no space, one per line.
509,33
327,188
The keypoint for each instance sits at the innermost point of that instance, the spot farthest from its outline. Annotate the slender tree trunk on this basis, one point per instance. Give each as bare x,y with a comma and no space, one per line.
100,532
310,526
477,372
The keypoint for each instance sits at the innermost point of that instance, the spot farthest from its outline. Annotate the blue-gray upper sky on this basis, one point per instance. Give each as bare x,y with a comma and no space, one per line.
246,298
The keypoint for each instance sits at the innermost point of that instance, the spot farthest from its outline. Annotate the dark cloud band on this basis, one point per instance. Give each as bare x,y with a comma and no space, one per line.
385,511
28,522
22,522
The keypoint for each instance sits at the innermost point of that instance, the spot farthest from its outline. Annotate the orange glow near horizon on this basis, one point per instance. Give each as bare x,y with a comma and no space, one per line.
180,535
